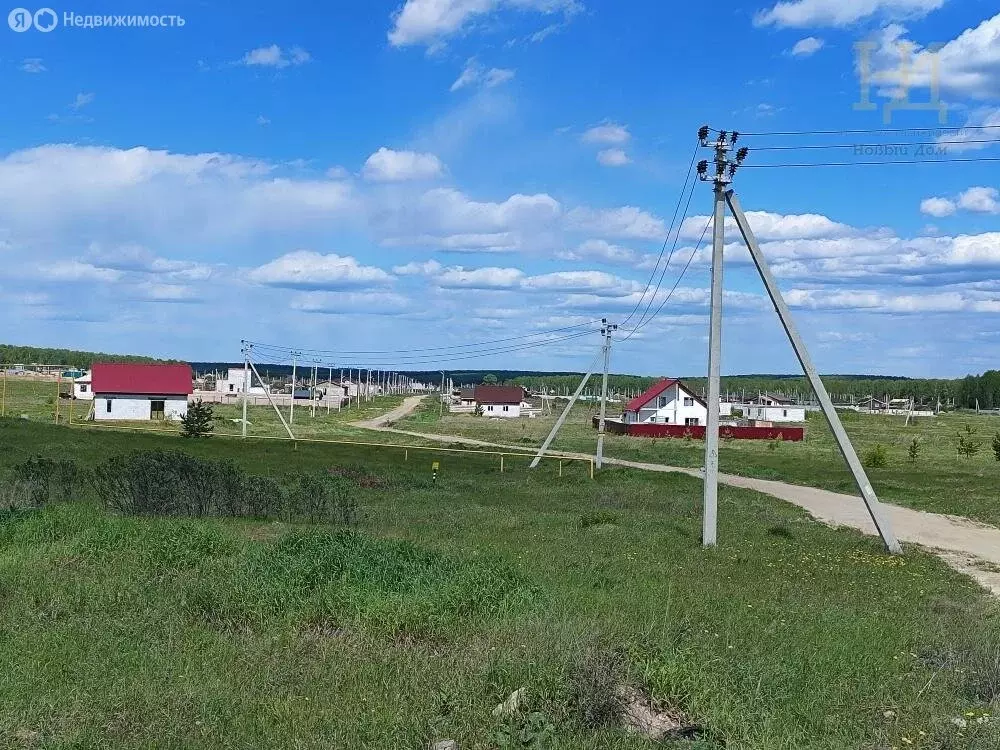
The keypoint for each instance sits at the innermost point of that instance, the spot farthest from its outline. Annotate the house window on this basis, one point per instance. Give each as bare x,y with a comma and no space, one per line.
784,412
107,405
156,409
663,401
83,387
230,387
692,421
688,401
506,408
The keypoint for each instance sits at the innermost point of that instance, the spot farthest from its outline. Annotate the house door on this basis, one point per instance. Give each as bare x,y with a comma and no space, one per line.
156,409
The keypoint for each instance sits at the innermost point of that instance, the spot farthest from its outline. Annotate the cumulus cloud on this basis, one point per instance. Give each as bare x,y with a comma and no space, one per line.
33,65
480,278
772,226
608,134
974,133
876,301
309,270
340,303
838,13
82,100
983,200
968,65
274,56
613,157
627,222
430,22
599,250
474,74
386,165
807,47
937,207
416,268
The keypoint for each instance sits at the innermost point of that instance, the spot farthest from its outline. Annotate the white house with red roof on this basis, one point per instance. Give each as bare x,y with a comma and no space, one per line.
667,402
140,392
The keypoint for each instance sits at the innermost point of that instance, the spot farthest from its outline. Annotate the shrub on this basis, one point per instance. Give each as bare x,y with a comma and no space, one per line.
996,446
968,445
42,480
876,457
913,451
198,420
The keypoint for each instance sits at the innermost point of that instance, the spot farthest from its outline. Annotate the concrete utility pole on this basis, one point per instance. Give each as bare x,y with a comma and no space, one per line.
291,409
562,417
246,384
606,331
720,180
441,410
871,501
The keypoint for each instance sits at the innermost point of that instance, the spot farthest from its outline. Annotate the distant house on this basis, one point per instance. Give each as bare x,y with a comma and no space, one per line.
82,389
500,400
784,413
667,402
467,396
236,380
769,399
140,392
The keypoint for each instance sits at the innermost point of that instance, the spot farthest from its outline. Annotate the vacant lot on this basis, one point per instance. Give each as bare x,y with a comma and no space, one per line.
939,479
133,631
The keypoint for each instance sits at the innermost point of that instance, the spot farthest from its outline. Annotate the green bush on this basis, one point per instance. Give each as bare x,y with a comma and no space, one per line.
41,480
968,445
876,457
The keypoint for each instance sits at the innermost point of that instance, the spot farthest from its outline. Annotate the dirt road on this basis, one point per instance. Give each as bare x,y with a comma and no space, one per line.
968,546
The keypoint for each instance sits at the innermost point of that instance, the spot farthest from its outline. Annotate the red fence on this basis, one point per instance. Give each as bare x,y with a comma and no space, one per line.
793,434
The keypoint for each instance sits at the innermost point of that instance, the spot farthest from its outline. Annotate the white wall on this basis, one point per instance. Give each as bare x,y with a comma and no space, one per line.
137,408
510,411
775,413
235,380
82,391
673,406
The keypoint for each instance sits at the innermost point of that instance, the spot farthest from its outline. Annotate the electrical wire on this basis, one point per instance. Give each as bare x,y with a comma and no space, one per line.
862,131
535,334
871,163
673,289
680,198
814,146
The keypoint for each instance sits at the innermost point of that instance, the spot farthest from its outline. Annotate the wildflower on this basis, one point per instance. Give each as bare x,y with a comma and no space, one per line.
959,722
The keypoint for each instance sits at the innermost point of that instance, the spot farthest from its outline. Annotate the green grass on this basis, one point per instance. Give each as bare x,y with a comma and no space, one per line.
940,480
120,632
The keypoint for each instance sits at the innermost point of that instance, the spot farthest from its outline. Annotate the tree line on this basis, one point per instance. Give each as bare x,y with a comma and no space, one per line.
26,355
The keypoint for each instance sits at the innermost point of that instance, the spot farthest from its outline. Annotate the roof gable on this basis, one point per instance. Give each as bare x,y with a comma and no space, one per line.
499,394
159,380
656,389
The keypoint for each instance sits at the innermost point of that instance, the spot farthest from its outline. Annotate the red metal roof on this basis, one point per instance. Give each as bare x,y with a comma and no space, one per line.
499,394
655,390
153,380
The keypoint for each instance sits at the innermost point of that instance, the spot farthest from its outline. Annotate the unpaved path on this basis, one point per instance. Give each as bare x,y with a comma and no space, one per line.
968,546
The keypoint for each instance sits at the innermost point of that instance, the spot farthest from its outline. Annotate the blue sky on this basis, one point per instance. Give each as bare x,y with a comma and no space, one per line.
429,173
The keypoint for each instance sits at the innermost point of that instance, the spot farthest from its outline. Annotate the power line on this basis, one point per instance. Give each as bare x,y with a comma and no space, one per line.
872,163
680,198
858,131
340,352
673,289
814,146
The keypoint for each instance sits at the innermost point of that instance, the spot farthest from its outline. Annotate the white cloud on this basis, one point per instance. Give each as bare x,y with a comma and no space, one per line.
608,134
937,207
968,65
837,13
480,278
416,268
772,226
262,121
430,22
983,200
882,302
275,57
978,132
339,303
82,100
73,270
613,157
475,74
627,221
807,47
160,292
33,65
305,269
575,282
599,250
386,165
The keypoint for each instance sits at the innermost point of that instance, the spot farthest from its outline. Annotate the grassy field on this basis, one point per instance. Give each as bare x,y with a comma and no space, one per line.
939,480
122,631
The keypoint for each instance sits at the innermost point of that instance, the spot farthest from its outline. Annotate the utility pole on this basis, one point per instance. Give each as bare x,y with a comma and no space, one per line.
720,180
441,410
606,331
329,382
246,384
291,409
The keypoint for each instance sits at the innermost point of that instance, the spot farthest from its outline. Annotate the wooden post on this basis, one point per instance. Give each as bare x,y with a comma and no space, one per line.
58,389
3,395
501,463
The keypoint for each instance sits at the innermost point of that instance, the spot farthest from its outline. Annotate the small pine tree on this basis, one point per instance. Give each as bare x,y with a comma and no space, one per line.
914,449
967,444
996,446
198,420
